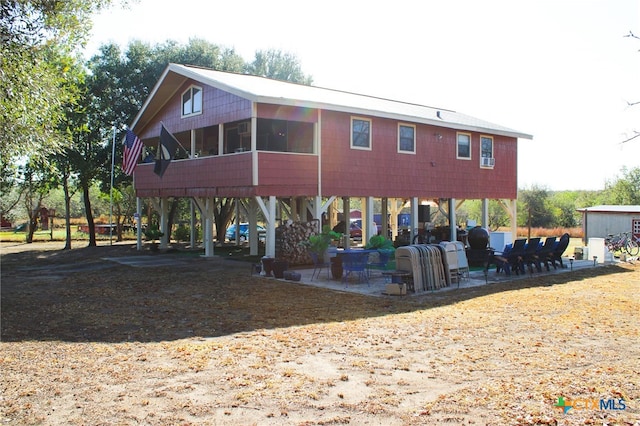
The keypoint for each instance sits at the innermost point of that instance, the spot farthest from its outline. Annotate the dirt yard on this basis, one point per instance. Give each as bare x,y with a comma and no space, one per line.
198,341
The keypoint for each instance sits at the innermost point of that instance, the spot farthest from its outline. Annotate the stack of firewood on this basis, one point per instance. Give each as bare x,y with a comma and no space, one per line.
290,238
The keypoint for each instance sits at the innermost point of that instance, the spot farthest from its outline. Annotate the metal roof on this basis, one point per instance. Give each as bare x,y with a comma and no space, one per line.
611,209
265,90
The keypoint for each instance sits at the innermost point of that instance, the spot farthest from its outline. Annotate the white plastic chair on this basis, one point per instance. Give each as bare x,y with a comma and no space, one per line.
453,260
463,262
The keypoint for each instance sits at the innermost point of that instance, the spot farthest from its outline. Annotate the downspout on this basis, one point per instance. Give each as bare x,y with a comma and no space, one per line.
317,205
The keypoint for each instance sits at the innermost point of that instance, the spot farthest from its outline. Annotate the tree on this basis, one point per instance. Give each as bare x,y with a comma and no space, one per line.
34,34
635,133
278,65
223,213
626,189
70,127
498,217
37,180
563,206
37,57
66,178
535,211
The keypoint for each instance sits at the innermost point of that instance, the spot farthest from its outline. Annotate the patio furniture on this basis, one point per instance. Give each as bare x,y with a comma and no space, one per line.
452,261
516,255
556,256
426,265
545,252
529,257
463,262
355,262
500,259
378,259
318,265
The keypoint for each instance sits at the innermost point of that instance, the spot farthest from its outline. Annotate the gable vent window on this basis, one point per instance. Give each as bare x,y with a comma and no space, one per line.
192,101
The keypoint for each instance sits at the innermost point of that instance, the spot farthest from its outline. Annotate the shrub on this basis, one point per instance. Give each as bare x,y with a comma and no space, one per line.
182,233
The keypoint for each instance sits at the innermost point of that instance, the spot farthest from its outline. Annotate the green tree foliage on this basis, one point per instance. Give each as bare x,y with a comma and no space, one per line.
590,198
35,37
38,77
37,179
278,65
563,208
534,209
625,190
472,209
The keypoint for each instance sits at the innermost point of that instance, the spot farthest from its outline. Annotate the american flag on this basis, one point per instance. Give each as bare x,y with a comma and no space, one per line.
131,152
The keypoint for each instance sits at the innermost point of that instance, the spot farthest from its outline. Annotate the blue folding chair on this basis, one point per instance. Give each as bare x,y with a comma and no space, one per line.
318,265
355,262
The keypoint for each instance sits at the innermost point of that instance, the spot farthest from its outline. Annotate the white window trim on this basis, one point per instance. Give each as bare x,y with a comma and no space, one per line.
368,148
470,157
190,89
493,152
404,151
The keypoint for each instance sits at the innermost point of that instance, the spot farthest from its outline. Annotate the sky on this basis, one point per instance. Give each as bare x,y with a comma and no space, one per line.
560,70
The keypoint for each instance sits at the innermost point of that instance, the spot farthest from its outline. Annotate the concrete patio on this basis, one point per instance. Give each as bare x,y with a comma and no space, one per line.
377,282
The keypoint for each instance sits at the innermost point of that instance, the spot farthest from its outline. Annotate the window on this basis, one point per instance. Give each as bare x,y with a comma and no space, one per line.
236,139
192,101
406,138
360,133
284,136
486,151
464,146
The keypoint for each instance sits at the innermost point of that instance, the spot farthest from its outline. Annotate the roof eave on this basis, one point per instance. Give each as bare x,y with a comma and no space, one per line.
190,73
384,114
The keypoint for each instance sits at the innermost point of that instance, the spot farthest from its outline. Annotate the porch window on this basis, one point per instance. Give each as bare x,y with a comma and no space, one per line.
236,138
406,138
463,146
360,133
207,141
192,101
284,136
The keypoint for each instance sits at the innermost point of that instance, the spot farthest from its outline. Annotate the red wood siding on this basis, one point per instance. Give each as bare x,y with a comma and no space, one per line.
280,174
218,107
433,172
287,174
223,176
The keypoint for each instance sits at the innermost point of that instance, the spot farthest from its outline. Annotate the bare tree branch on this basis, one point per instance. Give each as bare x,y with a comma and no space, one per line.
632,35
631,138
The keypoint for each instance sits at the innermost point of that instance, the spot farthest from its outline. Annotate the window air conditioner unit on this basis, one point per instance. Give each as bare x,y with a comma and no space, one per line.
244,128
488,162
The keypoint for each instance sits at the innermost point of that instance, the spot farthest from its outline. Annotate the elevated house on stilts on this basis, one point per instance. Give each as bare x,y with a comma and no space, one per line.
293,151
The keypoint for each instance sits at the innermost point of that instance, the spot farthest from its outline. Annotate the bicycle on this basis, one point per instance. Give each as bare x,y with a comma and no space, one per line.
623,241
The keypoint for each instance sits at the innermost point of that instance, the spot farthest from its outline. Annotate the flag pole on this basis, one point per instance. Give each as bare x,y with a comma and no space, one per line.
113,158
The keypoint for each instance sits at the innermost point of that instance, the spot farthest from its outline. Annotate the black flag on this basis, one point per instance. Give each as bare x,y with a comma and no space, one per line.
166,152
